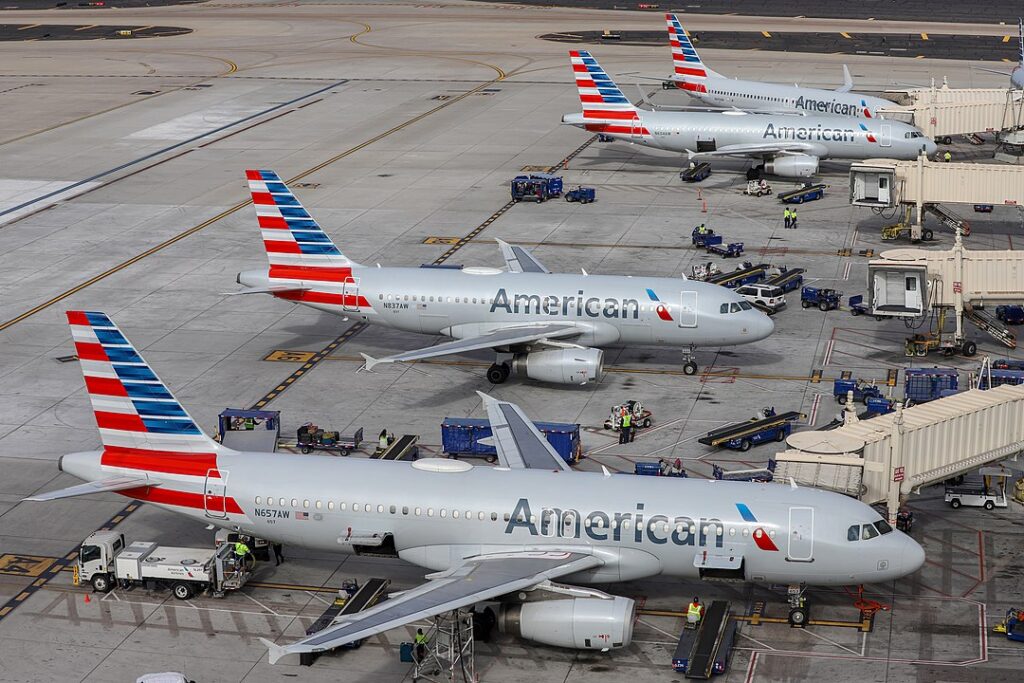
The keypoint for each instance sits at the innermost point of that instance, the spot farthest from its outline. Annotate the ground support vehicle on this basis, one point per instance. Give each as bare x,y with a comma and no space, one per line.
757,188
463,436
259,547
105,561
987,490
760,474
702,236
536,187
824,299
808,193
583,195
880,406
744,274
654,469
351,599
311,438
740,436
704,651
927,384
769,298
786,279
731,250
1011,314
862,391
695,173
1012,625
858,307
703,271
641,416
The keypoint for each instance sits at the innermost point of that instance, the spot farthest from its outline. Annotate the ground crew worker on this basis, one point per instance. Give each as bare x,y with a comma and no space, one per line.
382,440
662,467
792,218
947,157
785,217
694,612
278,553
420,641
626,428
241,551
676,468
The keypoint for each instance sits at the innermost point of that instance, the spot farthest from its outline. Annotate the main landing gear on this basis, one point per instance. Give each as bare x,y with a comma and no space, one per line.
689,364
799,610
498,373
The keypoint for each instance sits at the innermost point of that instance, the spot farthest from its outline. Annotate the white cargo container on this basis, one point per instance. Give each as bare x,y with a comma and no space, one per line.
105,561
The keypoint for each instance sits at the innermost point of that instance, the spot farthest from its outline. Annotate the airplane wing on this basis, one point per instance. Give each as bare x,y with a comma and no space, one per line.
755,150
847,85
519,443
993,71
479,578
506,336
99,486
519,260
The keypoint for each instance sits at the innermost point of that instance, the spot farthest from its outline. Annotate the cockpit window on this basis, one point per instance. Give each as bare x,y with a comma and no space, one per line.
853,533
724,308
912,134
734,307
883,527
745,305
867,532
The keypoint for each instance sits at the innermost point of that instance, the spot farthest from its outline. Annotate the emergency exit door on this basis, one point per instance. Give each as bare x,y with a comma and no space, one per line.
636,128
215,494
350,294
688,309
801,534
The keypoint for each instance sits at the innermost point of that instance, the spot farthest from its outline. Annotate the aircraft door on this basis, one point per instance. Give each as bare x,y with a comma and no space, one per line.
350,294
688,309
801,534
636,128
215,494
885,139
883,190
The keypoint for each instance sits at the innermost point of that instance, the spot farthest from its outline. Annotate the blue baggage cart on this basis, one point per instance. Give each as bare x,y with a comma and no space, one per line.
462,435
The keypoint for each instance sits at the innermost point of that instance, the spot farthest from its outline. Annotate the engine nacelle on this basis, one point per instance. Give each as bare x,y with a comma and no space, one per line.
578,623
797,166
561,366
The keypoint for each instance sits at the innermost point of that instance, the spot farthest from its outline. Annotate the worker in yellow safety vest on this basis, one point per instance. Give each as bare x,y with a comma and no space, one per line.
947,157
241,552
626,427
420,641
694,612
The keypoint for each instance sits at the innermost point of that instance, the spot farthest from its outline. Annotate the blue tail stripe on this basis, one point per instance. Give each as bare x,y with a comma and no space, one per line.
745,513
650,293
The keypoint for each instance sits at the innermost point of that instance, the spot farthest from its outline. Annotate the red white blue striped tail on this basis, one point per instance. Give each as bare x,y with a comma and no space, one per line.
297,247
142,425
688,67
605,108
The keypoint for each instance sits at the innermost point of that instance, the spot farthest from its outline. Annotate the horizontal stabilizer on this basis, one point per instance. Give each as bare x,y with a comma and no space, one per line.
100,486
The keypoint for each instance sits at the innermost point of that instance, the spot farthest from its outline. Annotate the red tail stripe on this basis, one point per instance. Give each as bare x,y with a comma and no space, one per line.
591,99
168,462
574,53
262,198
90,351
78,318
272,222
580,68
253,175
318,273
282,247
105,386
611,128
608,114
123,421
691,72
185,499
695,87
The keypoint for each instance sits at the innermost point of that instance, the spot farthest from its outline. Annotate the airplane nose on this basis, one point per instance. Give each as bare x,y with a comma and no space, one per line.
930,147
913,556
763,327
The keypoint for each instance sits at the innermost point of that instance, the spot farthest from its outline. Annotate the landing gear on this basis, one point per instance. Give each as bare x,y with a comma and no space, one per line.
689,364
754,172
799,610
498,373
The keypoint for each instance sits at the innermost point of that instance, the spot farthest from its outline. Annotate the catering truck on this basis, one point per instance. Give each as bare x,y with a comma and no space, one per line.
105,561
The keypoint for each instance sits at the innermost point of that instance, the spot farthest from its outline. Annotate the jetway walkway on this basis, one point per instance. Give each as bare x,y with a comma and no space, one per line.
887,457
943,112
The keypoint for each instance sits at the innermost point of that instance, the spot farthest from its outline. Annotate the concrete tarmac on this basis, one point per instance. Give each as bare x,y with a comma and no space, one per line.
400,126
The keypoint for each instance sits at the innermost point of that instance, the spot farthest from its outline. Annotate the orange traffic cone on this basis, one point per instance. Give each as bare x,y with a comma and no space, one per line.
704,206
87,599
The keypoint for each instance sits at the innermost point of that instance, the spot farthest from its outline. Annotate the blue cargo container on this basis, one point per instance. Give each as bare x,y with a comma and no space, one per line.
927,384
462,435
1000,377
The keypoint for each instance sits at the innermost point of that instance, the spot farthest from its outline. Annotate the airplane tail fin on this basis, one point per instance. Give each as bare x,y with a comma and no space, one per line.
847,85
142,425
687,64
605,108
297,247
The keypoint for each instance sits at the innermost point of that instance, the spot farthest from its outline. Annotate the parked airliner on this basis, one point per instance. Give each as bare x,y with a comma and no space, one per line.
486,532
1017,74
543,325
787,145
710,87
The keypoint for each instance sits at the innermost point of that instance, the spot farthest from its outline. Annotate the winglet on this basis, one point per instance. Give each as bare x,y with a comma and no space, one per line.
274,650
485,398
847,85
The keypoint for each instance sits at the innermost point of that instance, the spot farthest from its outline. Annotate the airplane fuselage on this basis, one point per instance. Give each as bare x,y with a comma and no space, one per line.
433,513
609,310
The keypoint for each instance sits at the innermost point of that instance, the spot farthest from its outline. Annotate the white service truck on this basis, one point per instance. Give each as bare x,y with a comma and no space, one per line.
988,492
105,561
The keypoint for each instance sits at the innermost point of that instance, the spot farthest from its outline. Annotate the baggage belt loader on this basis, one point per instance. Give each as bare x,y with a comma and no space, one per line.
105,561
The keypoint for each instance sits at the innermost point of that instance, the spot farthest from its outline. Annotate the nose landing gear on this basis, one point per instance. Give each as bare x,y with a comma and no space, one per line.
689,364
799,610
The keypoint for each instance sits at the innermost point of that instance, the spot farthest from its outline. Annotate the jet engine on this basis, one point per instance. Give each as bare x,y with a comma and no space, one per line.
796,166
561,366
579,623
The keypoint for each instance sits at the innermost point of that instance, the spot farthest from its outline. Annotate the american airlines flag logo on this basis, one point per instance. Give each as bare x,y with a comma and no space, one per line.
301,515
661,308
761,537
867,133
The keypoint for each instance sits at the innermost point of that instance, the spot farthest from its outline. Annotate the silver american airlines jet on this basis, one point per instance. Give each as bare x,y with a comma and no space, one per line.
787,145
712,88
486,533
543,325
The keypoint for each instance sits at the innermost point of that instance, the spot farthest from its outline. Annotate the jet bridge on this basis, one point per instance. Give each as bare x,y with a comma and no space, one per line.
943,112
885,458
882,184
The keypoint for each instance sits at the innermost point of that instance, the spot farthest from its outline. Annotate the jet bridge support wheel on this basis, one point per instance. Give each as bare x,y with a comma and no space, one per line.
498,373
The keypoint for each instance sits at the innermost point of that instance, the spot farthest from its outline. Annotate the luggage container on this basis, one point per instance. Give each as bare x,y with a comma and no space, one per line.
462,436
